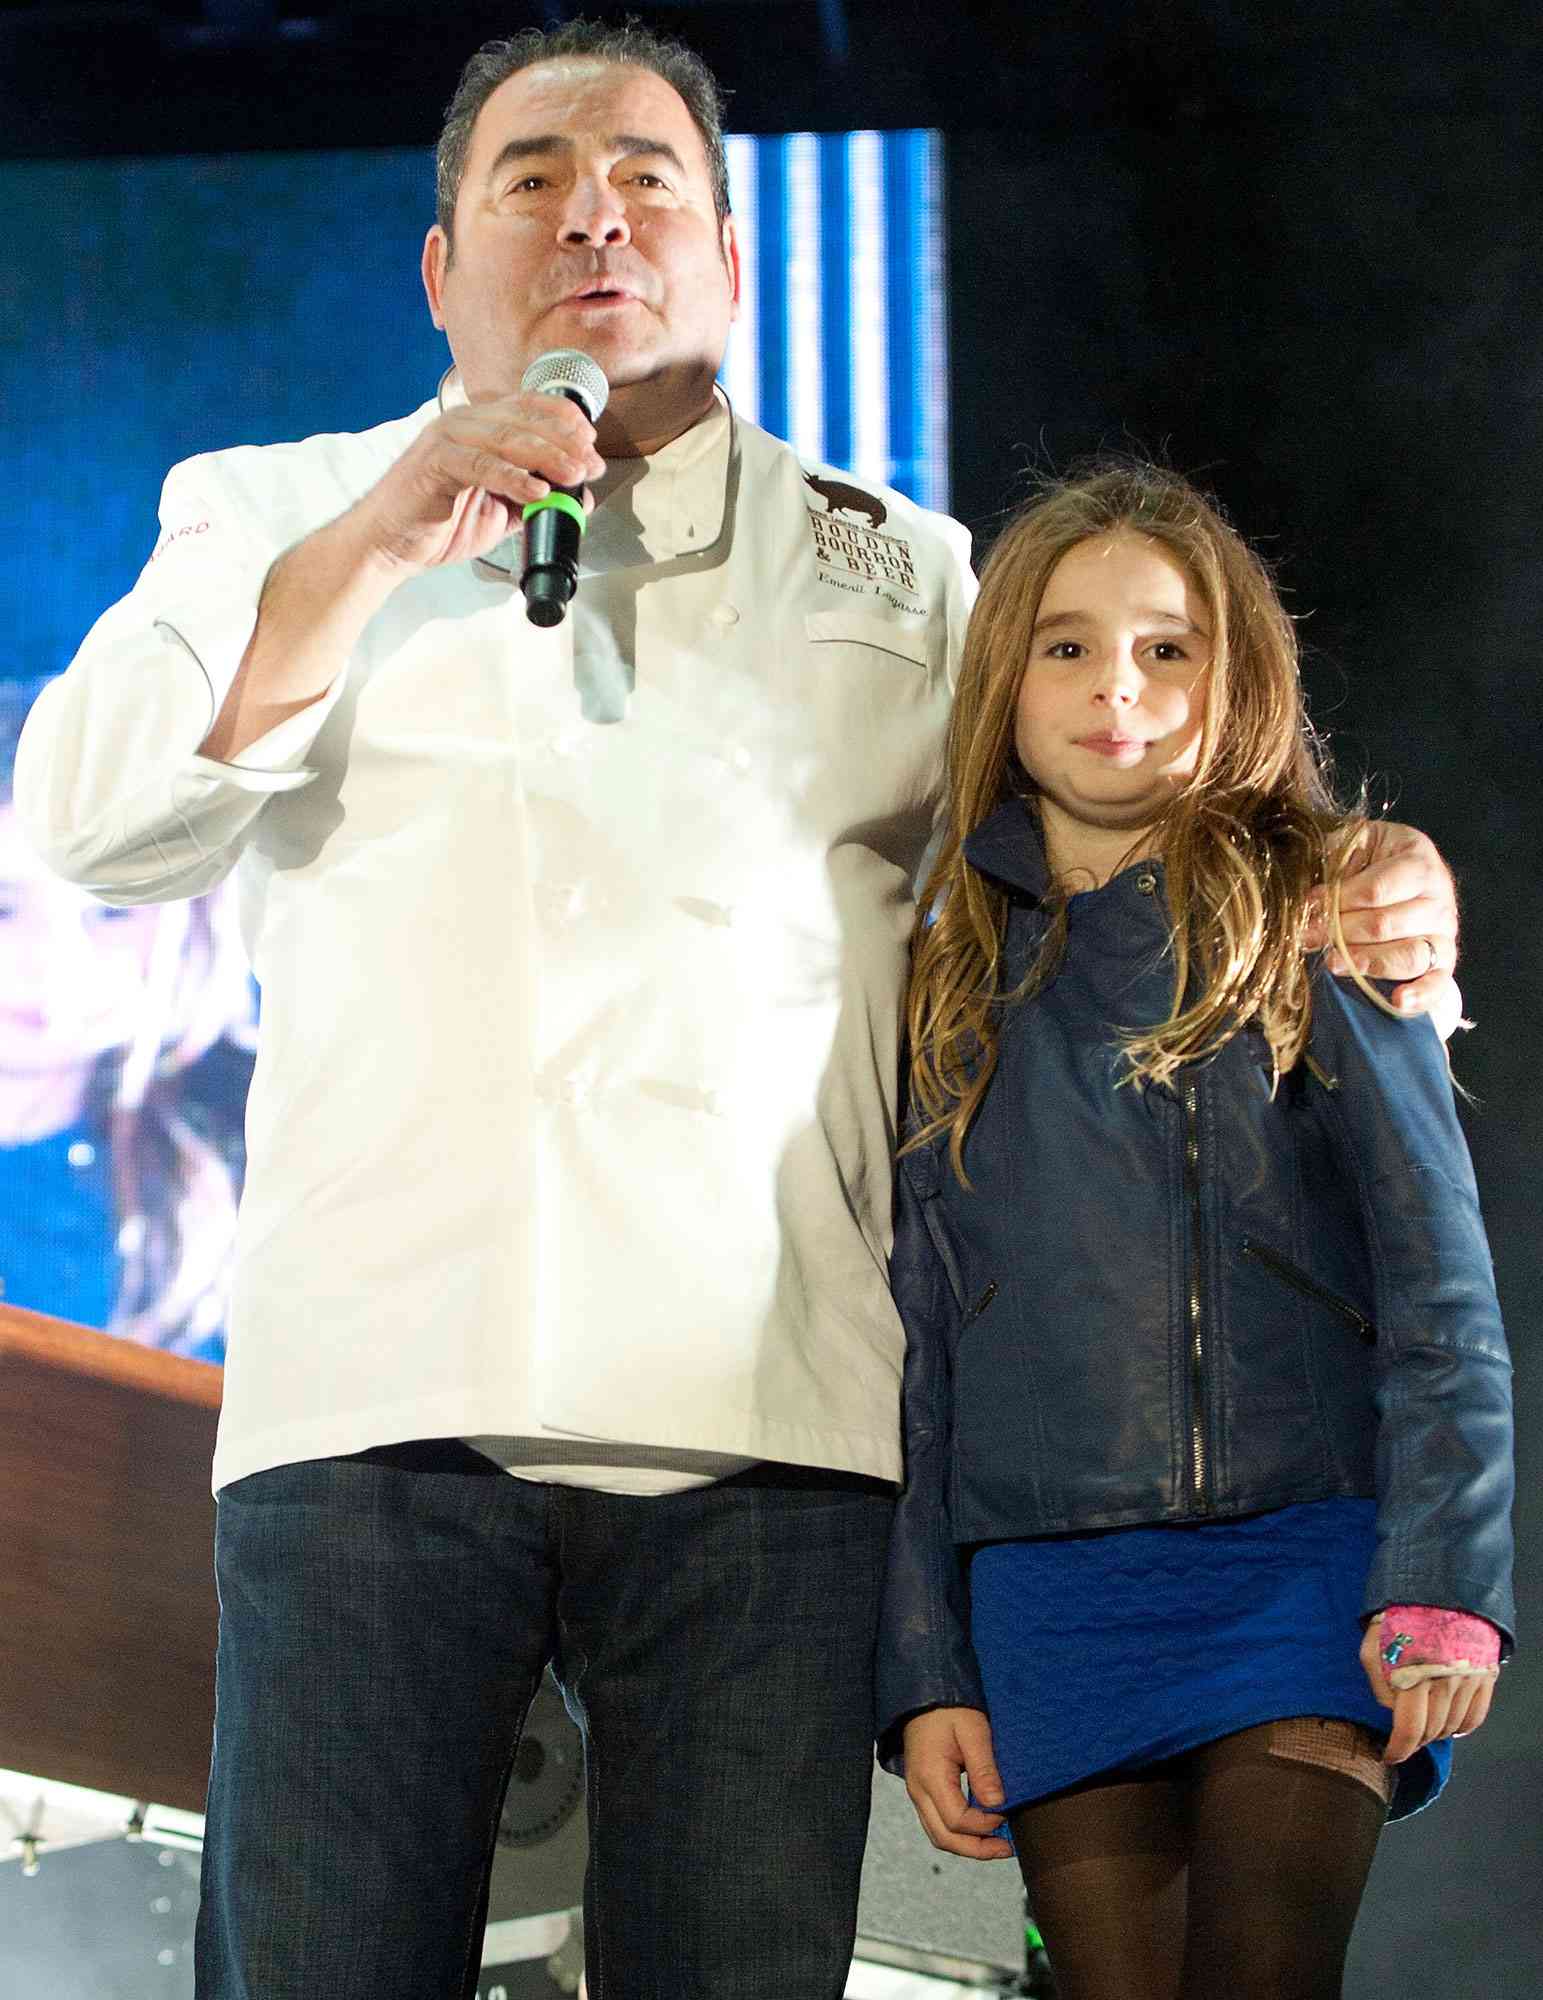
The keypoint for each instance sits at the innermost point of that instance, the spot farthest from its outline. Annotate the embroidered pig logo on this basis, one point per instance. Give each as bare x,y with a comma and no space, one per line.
842,499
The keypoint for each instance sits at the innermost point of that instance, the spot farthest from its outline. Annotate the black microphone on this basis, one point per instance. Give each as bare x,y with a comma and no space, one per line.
555,524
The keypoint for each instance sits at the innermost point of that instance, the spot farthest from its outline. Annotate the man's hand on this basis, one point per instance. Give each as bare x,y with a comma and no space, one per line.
943,1745
1398,912
1453,1705
459,488
455,493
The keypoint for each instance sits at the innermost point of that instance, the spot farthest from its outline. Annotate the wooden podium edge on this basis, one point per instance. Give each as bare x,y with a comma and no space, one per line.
83,1350
106,1561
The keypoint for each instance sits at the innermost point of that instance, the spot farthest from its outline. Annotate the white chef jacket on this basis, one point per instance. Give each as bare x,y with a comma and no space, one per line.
581,950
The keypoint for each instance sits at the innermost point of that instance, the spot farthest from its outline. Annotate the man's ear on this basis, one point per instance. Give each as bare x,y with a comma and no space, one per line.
436,261
730,239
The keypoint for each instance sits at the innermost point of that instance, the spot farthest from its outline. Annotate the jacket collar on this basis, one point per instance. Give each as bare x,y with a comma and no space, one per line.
1007,846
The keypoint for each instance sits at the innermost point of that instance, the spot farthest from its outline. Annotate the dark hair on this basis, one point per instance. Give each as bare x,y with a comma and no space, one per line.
631,43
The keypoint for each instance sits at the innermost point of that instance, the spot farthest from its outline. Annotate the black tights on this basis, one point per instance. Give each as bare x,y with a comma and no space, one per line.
1233,1872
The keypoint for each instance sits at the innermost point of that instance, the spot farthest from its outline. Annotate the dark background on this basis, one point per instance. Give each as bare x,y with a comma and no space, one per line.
1299,252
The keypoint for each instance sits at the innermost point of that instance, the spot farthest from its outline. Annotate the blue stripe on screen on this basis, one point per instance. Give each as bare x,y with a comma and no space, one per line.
904,167
839,335
771,267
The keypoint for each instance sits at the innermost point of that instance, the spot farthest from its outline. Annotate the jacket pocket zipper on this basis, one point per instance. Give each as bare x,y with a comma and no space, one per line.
1283,1268
979,1306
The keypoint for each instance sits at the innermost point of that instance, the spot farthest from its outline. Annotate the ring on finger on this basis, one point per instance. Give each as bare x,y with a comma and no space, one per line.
1430,956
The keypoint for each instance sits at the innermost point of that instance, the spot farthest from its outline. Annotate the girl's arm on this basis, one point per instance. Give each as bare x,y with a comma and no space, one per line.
925,1659
931,1722
1443,1450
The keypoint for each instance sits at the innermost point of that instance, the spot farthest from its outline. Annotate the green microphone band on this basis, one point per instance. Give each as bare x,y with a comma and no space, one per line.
563,502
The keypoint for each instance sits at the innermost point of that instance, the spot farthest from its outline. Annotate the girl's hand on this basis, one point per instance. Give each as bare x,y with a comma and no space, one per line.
1438,1682
943,1746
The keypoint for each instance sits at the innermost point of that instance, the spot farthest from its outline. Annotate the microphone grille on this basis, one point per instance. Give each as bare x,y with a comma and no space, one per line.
566,371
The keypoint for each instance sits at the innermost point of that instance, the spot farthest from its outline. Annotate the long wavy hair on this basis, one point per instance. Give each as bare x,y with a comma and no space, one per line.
176,1155
1245,841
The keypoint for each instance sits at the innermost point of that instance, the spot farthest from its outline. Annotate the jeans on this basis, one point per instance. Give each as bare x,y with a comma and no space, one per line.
384,1622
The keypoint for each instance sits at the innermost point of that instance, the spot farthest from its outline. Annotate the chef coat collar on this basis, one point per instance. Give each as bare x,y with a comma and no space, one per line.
647,510
670,503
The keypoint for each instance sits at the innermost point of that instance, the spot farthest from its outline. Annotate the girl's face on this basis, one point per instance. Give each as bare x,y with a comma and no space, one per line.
72,971
1113,697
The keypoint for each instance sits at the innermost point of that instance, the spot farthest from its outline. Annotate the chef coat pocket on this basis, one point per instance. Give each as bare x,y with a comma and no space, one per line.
912,643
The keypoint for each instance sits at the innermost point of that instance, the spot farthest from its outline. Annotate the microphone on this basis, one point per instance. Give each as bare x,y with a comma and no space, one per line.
555,524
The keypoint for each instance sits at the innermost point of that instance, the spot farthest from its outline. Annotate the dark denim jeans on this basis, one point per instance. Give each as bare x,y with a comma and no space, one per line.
385,1620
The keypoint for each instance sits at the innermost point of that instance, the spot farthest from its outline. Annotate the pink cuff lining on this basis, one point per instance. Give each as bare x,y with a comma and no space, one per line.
1427,1637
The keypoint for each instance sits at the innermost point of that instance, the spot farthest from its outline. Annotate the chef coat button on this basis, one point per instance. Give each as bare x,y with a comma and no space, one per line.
724,615
568,1091
82,1153
1146,882
739,757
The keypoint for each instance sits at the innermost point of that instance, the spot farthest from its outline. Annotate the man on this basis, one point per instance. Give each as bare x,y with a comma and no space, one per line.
581,955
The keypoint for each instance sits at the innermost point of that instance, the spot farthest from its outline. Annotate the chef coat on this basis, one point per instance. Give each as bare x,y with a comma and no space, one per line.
581,950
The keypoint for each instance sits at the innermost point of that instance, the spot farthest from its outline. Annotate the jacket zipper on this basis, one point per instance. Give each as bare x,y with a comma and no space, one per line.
1284,1269
979,1306
1197,1356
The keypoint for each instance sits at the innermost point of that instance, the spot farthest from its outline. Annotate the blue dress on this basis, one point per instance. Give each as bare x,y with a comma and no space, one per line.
1107,1651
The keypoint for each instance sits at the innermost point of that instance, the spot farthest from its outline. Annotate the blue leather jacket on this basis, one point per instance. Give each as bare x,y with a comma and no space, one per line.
1184,1305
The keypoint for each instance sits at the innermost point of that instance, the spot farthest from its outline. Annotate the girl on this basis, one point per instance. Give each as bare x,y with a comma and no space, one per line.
1205,1371
125,1039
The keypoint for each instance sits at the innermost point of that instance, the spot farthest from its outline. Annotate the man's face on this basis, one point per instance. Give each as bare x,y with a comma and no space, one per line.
585,219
